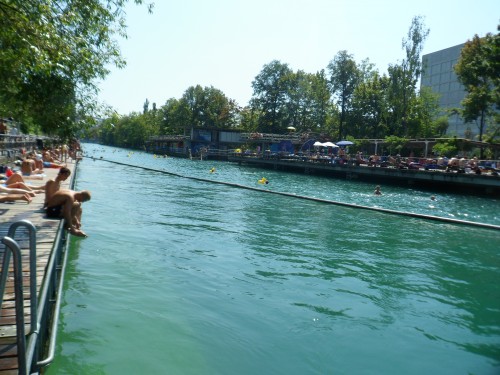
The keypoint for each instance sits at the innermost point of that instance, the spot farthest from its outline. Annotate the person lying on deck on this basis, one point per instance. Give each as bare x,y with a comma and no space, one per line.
7,190
50,160
16,181
14,197
28,167
67,204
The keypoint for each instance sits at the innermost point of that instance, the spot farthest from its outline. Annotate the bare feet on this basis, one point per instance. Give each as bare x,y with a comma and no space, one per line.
77,232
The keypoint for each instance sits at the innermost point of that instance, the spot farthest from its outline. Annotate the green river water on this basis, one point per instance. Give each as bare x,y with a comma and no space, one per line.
180,276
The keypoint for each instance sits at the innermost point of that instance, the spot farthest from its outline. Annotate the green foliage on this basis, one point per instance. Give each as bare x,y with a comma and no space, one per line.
478,69
369,114
207,107
52,53
272,87
344,77
199,107
446,148
440,126
395,144
359,145
452,147
403,82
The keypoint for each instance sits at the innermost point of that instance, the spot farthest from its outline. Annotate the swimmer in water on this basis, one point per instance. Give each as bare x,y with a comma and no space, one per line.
377,190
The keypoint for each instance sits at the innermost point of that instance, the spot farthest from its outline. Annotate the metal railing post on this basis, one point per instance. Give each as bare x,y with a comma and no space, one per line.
32,254
11,245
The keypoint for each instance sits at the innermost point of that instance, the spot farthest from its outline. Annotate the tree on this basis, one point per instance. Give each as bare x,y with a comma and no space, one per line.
344,77
308,101
270,95
423,110
176,116
478,69
405,76
66,45
370,107
209,107
320,101
395,144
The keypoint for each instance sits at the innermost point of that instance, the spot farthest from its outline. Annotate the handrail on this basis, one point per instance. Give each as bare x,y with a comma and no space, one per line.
3,280
18,294
58,244
45,294
32,241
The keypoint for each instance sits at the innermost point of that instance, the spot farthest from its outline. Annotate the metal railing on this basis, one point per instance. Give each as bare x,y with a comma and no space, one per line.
52,291
11,246
32,259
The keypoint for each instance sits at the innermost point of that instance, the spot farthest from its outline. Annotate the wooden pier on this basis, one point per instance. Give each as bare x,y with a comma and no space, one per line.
48,249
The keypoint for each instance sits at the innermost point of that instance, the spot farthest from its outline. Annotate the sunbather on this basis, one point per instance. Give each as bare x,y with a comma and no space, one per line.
17,181
15,197
6,190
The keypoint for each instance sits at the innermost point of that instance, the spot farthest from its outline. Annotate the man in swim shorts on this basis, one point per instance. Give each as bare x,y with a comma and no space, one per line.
54,185
67,204
54,212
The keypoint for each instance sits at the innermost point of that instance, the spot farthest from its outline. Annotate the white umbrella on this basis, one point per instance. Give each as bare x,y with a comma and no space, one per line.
318,144
330,144
344,143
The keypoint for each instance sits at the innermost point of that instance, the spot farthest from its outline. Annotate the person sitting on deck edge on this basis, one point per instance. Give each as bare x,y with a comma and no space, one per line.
54,185
67,204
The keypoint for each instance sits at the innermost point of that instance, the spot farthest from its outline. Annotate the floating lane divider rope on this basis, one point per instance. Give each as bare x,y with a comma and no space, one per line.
320,200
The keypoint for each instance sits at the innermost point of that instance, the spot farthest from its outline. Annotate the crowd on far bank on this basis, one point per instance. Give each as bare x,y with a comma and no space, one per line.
454,164
24,180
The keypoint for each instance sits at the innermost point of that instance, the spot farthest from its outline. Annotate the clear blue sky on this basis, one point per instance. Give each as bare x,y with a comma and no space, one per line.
226,43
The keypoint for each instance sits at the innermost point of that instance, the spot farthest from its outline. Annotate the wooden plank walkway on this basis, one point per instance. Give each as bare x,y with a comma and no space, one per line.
46,232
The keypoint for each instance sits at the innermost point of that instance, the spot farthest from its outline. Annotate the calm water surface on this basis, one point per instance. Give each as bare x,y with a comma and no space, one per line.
181,276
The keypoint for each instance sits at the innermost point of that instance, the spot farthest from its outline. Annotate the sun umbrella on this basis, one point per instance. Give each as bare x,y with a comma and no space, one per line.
291,128
330,144
318,144
344,143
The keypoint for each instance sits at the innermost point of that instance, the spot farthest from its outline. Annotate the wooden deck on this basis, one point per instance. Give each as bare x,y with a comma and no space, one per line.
46,234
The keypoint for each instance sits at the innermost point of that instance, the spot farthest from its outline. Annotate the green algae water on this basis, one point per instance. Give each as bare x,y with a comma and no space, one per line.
185,277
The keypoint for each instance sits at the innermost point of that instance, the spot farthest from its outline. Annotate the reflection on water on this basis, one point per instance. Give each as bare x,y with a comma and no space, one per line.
202,278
